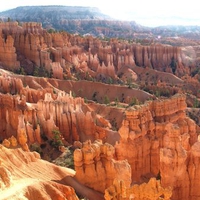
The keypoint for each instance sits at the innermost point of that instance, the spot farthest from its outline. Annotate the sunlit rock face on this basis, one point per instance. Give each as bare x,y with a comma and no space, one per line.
95,166
98,59
25,176
25,120
143,130
121,149
8,56
144,191
33,106
161,139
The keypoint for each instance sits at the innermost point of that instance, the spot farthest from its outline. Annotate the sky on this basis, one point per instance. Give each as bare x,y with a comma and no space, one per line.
145,12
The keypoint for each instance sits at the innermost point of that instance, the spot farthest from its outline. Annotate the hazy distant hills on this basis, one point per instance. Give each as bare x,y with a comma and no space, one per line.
81,20
90,20
43,13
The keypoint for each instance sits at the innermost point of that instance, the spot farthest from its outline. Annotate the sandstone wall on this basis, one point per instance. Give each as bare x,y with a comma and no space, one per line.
101,59
28,115
157,139
144,191
96,168
8,56
160,138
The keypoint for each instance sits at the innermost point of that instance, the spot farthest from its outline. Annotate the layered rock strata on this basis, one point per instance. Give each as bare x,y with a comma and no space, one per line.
23,175
161,139
144,191
25,121
100,59
96,168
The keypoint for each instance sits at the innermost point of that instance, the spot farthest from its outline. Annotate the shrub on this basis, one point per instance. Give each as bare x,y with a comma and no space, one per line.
57,141
66,160
134,101
36,147
106,100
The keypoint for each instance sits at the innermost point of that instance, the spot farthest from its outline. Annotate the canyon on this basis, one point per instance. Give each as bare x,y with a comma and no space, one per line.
107,102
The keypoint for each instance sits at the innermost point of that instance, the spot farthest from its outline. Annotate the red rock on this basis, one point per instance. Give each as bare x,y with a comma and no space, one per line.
145,191
29,183
96,168
8,56
156,138
87,54
57,70
159,137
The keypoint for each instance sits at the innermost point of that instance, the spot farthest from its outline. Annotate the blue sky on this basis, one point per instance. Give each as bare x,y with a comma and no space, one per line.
144,12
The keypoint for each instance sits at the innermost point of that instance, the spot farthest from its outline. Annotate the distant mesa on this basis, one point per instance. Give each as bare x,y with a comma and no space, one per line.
73,19
90,20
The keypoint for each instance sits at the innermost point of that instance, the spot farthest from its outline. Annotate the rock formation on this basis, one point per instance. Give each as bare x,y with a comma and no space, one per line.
96,168
163,144
100,59
57,70
8,56
160,137
25,175
27,115
145,191
41,107
151,140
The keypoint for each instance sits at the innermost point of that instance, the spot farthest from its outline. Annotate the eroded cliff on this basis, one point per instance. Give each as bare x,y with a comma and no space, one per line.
162,140
132,140
24,175
61,54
